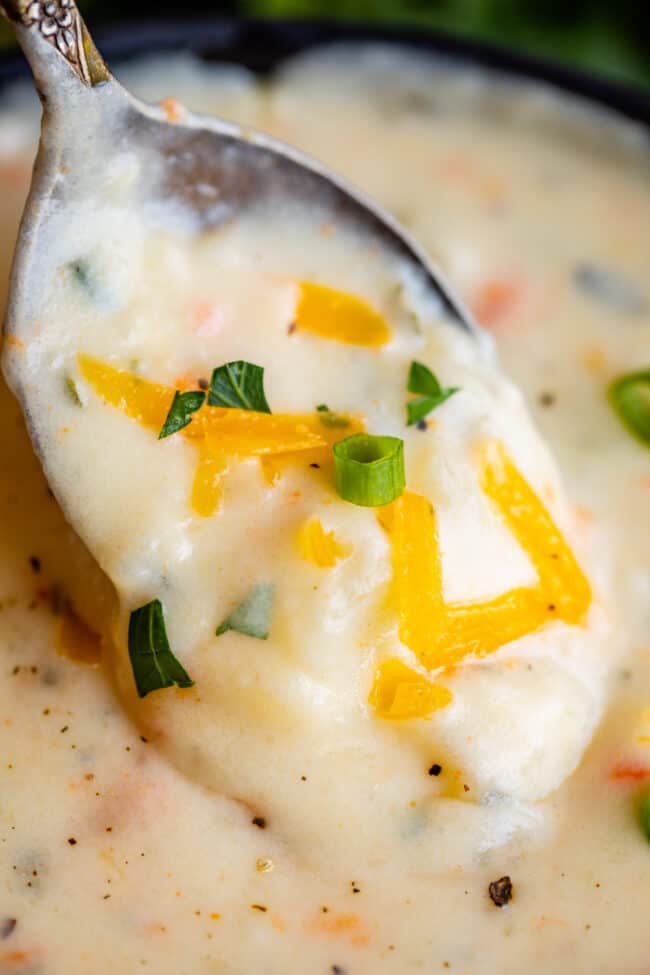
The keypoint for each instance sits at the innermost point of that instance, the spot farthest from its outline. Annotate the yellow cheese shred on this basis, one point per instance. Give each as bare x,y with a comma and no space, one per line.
217,432
399,693
442,634
320,547
340,316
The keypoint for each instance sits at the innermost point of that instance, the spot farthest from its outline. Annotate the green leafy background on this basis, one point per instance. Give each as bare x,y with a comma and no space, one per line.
612,38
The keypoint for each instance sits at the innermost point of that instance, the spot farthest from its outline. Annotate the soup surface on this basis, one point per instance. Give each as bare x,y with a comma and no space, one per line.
341,790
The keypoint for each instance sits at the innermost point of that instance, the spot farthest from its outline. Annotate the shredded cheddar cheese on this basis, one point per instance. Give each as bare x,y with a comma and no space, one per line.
217,432
442,634
399,693
320,547
340,316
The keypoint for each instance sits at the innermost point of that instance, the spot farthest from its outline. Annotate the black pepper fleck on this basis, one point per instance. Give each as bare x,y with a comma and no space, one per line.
203,384
422,425
259,907
72,841
292,328
259,821
35,563
435,769
337,970
7,926
315,466
547,398
500,891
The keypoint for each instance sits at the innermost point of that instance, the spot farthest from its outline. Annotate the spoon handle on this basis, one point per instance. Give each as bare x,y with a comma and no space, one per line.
47,28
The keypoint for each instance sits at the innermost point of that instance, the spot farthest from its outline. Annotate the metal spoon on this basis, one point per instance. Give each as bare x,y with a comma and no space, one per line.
215,167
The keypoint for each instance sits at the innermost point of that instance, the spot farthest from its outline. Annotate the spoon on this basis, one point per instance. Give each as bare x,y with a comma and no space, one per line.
214,167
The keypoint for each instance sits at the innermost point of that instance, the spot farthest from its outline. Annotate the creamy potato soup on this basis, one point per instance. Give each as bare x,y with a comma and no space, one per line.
345,666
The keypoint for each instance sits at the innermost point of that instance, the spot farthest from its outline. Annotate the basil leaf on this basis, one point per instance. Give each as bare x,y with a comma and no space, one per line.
331,420
180,412
422,380
253,616
240,386
154,665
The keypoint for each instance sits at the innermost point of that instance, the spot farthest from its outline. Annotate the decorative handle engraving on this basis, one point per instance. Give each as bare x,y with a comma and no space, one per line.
60,24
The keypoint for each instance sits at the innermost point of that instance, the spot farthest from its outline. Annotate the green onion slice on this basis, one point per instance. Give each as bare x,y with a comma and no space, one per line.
253,615
180,412
630,397
369,470
645,817
154,665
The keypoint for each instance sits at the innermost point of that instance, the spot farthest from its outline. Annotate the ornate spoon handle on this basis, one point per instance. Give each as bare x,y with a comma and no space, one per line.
55,24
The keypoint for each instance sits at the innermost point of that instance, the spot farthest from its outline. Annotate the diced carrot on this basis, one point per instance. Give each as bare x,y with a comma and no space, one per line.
496,300
630,771
173,109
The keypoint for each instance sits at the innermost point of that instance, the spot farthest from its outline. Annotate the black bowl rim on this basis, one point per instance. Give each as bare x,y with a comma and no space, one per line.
262,44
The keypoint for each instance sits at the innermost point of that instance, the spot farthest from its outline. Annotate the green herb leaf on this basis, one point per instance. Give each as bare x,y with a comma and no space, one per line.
645,817
71,390
422,380
253,616
369,470
180,412
154,665
240,386
630,397
331,420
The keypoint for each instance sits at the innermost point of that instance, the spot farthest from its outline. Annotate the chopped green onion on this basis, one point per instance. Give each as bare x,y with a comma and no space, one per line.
645,817
329,419
154,665
239,386
253,616
71,390
630,397
180,412
422,380
369,470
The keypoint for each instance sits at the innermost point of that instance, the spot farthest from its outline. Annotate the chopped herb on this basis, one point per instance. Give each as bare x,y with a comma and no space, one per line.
154,665
500,891
329,419
71,390
610,288
180,412
369,470
253,616
421,380
630,397
435,769
645,817
240,386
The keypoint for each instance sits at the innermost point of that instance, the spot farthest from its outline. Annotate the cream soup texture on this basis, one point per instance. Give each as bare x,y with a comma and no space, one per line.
417,737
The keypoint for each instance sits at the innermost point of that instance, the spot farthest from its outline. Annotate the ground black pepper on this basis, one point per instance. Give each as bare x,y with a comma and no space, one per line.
500,891
7,926
259,821
435,769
